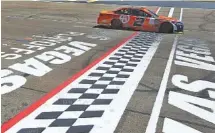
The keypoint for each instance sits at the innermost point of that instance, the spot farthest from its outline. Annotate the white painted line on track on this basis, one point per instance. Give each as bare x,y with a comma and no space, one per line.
158,10
181,14
171,12
152,124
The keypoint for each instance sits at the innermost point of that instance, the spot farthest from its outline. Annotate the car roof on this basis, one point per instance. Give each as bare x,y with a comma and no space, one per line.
140,8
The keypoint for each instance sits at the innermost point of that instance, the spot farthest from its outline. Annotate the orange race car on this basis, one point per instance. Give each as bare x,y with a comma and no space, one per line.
139,19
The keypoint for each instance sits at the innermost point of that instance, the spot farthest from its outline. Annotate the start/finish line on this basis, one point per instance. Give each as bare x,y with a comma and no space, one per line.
96,97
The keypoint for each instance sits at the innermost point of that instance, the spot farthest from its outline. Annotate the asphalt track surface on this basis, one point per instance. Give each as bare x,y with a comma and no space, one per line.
74,77
162,3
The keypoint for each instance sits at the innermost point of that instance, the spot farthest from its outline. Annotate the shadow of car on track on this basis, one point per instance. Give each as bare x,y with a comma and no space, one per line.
126,29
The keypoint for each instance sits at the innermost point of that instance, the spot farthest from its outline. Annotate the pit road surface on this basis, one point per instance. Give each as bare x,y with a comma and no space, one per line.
168,73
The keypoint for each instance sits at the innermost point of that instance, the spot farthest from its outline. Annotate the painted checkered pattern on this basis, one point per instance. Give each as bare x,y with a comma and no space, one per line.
77,108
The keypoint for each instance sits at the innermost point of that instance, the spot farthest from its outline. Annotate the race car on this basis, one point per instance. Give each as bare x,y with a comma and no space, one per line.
139,18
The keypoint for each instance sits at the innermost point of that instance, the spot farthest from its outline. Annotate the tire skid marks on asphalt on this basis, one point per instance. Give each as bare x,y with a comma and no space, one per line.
91,104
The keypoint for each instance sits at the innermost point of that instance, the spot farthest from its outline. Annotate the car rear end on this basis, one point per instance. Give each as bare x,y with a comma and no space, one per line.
179,26
105,18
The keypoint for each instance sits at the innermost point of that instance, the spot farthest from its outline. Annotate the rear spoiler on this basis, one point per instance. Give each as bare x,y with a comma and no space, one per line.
106,12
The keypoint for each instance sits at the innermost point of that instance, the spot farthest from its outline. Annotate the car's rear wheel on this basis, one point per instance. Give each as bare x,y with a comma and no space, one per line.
166,27
116,24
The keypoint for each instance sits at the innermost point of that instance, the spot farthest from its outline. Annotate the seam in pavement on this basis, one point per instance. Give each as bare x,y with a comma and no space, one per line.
160,57
33,89
146,86
89,60
182,121
138,90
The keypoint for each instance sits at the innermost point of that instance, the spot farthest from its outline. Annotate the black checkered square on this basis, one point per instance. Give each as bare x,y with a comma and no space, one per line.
32,130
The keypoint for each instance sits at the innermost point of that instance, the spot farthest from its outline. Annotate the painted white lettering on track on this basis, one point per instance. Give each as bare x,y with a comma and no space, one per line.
31,66
184,61
52,55
82,45
42,43
187,43
181,81
67,49
211,94
76,33
25,51
10,82
194,53
11,56
187,49
188,103
195,56
172,126
34,46
36,66
98,37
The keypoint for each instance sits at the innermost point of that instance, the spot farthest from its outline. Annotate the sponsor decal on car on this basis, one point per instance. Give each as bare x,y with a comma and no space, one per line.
124,18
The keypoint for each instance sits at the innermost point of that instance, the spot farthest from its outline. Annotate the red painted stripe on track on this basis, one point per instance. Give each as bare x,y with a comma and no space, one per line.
5,126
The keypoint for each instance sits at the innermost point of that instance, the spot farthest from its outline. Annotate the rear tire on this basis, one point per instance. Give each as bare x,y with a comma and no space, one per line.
166,27
116,24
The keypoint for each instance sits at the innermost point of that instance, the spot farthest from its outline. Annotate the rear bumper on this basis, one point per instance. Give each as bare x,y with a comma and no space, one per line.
179,27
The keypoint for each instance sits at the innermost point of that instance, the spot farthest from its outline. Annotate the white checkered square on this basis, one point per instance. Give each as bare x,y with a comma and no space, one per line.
122,64
119,79
123,59
113,86
83,101
107,96
109,75
70,114
92,78
99,71
102,82
94,91
83,86
55,130
115,69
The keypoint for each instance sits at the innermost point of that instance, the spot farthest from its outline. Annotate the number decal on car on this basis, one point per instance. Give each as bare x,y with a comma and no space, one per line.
154,22
124,18
139,21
